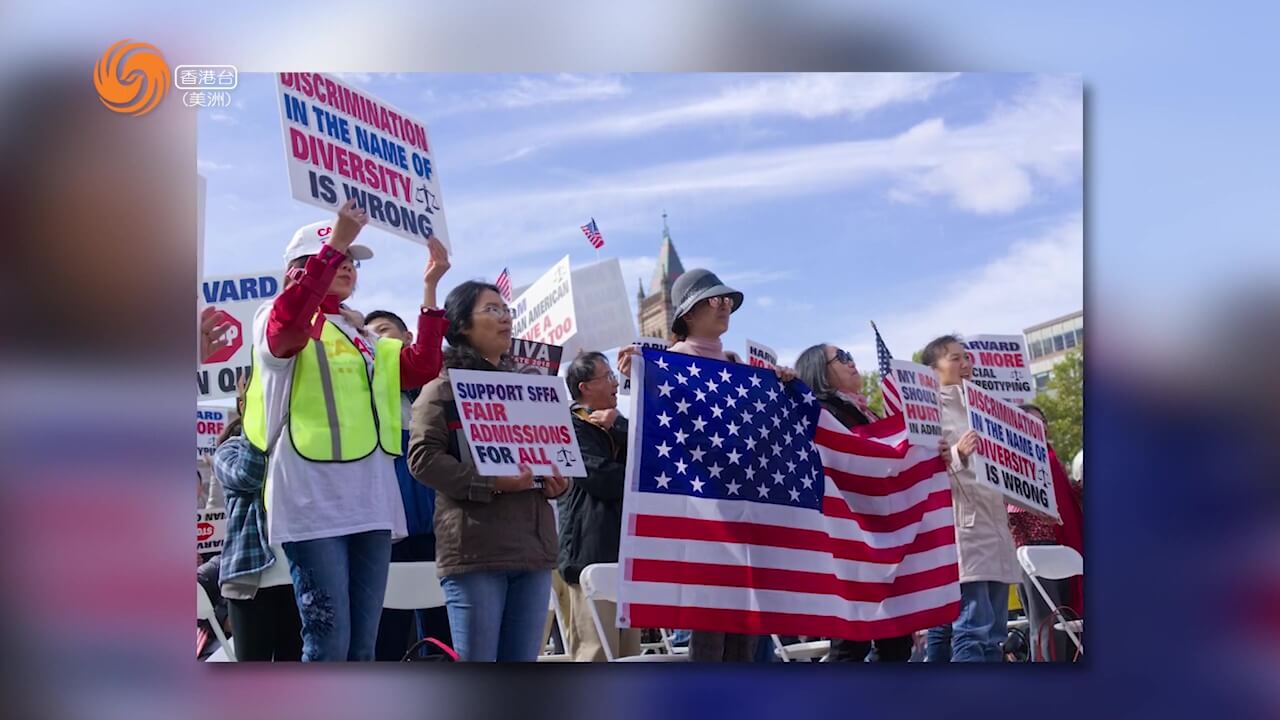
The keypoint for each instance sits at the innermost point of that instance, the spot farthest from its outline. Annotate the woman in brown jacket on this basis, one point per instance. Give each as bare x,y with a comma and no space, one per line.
496,538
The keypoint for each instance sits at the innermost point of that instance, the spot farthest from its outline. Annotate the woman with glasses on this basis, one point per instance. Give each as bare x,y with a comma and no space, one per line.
496,537
324,403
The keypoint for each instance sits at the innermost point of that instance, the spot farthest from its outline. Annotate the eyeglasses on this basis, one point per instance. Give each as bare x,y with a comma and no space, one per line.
842,356
607,376
498,311
719,300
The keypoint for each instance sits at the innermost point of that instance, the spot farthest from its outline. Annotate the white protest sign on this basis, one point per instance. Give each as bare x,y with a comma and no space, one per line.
343,143
641,343
211,529
210,422
535,358
238,297
918,386
512,419
601,308
1012,453
1000,366
544,313
761,356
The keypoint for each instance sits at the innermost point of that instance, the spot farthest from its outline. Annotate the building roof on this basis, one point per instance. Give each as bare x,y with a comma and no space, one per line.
1055,321
669,266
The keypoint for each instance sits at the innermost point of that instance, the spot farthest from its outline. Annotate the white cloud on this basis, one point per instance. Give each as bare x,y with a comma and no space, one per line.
356,78
209,166
221,117
765,301
536,91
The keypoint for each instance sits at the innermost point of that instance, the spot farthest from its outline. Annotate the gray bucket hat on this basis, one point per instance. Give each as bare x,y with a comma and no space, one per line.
692,288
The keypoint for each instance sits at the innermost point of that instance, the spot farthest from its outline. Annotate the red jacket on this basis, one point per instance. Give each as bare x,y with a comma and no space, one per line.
293,321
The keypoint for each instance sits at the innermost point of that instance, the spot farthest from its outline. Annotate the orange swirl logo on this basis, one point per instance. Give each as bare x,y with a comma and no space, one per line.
131,77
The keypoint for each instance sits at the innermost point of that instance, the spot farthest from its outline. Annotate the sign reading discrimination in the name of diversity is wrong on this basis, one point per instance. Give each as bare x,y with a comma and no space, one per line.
211,529
762,356
210,422
238,298
918,386
1012,450
624,388
544,313
511,419
535,358
343,143
1000,366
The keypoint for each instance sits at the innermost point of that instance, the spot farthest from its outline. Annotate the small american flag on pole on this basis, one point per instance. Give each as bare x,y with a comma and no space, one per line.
892,398
504,284
593,234
750,509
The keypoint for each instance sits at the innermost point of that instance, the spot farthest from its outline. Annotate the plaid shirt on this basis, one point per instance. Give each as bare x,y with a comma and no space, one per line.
242,470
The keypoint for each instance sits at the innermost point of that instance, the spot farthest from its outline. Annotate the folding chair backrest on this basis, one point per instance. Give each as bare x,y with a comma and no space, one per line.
204,611
1052,562
600,581
413,586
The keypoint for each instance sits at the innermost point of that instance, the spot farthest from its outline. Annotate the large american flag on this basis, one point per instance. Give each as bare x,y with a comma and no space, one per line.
750,509
888,386
504,284
593,234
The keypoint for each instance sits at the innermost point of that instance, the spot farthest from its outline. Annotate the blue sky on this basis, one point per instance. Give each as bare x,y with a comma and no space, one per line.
928,203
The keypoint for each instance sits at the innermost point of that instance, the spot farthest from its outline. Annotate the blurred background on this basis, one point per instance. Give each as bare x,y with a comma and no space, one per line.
1183,286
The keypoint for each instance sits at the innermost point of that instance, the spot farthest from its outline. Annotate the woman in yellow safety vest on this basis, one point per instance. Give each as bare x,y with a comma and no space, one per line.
324,403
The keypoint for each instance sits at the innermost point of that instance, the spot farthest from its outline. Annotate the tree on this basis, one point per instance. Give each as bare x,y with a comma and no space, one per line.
875,396
1063,404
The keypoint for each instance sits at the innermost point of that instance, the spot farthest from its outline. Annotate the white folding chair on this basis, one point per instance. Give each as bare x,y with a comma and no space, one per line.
600,583
668,641
549,654
413,586
1053,562
204,611
801,651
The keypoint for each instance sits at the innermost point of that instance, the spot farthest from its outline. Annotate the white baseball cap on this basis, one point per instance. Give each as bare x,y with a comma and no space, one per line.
309,238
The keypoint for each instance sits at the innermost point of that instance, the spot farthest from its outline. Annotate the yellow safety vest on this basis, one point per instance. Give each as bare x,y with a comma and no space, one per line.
336,412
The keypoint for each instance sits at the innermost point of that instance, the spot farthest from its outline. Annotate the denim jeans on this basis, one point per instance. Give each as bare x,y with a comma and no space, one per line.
498,616
976,635
340,584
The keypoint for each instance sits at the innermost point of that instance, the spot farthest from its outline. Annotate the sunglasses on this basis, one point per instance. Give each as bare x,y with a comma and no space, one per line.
841,356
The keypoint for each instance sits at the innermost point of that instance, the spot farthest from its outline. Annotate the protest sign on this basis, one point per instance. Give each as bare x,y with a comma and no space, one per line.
211,529
601,308
624,388
343,143
535,358
238,297
1012,453
544,313
210,422
511,419
761,356
1000,366
918,386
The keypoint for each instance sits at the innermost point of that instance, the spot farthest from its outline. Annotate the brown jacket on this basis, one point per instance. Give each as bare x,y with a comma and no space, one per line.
476,528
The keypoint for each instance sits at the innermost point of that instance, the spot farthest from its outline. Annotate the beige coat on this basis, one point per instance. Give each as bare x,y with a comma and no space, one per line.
983,540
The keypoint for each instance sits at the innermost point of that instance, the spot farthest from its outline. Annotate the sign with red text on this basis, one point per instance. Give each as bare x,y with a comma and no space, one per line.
210,422
513,419
342,143
761,356
1013,455
535,358
211,529
544,313
624,387
1000,366
238,297
918,386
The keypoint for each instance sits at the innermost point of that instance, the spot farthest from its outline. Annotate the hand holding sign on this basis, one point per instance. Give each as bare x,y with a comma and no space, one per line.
967,444
437,266
556,485
351,220
515,483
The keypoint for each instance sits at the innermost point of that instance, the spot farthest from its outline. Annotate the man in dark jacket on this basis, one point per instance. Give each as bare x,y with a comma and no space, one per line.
591,512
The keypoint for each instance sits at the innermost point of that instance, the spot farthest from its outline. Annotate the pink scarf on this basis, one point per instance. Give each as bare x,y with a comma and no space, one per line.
701,347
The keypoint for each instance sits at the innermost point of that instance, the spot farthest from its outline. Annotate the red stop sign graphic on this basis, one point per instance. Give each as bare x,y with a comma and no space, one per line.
204,531
235,336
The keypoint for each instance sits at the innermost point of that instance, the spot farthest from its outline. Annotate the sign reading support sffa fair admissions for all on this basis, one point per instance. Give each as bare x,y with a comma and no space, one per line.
1000,366
544,313
238,297
918,386
344,143
1012,456
762,356
512,419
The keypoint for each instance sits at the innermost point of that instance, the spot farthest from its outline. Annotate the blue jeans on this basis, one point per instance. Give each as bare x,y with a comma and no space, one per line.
340,584
497,616
976,635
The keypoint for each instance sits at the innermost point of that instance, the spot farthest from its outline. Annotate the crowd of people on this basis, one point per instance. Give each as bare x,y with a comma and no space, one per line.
348,455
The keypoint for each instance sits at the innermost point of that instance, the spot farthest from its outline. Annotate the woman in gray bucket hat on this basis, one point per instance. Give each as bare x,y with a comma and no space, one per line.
703,305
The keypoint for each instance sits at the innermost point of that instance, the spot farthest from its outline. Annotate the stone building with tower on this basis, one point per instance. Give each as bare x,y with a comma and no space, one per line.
654,319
